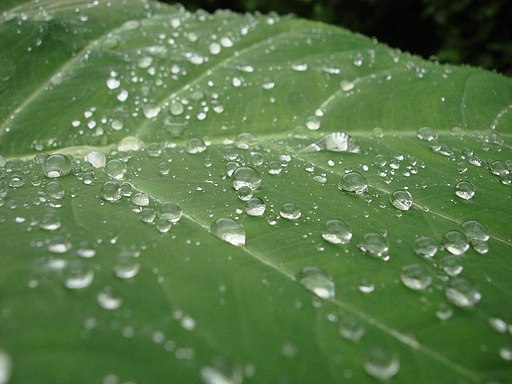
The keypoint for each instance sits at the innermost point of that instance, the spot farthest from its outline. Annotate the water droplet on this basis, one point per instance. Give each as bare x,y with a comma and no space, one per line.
427,134
480,246
5,367
229,231
113,83
127,264
346,85
465,190
255,207
366,286
337,232
475,230
455,242
59,244
97,159
274,168
375,245
463,293
401,200
451,266
313,123
57,165
382,363
221,373
317,281
353,182
290,211
54,189
170,210
195,146
444,311
416,277
151,111
111,191
176,108
147,215
140,199
506,353
246,177
351,328
107,300
116,169
244,193
78,275
425,246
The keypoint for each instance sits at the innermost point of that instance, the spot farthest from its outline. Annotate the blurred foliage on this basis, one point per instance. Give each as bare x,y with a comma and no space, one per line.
457,31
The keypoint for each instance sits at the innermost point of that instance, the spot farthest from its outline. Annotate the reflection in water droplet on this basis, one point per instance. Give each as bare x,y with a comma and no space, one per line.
337,232
57,165
5,366
246,177
140,199
463,293
353,182
221,373
290,211
425,246
255,207
455,242
351,328
401,200
317,281
416,277
229,231
375,245
465,190
382,363
506,353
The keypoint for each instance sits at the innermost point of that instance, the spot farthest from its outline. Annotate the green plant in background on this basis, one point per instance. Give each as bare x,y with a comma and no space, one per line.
187,197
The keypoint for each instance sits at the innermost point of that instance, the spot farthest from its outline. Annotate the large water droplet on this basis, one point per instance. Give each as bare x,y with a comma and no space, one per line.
246,177
465,190
290,211
425,246
351,328
317,281
463,293
353,182
455,242
401,200
375,245
416,277
382,363
57,165
337,232
229,231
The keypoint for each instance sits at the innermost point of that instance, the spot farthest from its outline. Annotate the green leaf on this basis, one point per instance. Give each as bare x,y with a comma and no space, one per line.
303,103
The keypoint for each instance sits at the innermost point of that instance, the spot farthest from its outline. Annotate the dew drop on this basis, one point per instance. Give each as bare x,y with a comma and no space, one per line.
255,207
246,177
290,211
244,193
140,199
382,363
455,242
465,190
425,246
57,165
336,231
195,146
351,328
54,189
375,245
353,182
451,265
170,210
176,108
463,293
317,281
116,169
416,277
426,134
475,230
401,200
229,231
111,191
96,159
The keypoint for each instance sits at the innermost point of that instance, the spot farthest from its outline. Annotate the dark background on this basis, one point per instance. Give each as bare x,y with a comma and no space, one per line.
475,32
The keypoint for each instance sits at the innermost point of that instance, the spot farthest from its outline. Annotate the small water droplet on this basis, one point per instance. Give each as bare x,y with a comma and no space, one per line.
353,182
246,177
382,363
108,300
475,230
426,134
451,265
347,85
78,275
416,277
111,191
57,165
401,200
195,146
506,353
317,281
336,231
116,169
229,231
455,242
127,264
375,245
5,367
97,159
463,293
170,210
54,189
290,211
351,328
465,190
255,207
425,246
140,199
313,123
